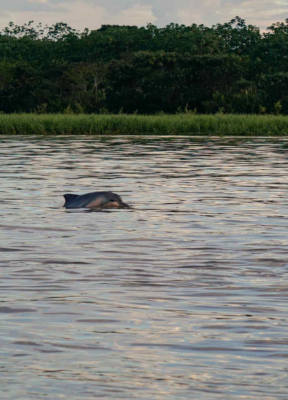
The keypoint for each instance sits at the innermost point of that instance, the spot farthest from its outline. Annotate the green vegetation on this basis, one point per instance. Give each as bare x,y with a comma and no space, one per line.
230,68
122,124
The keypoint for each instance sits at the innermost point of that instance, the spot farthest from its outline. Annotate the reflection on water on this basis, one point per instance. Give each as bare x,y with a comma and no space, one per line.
182,297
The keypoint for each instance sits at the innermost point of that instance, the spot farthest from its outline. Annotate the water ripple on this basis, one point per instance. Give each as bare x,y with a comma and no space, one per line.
182,297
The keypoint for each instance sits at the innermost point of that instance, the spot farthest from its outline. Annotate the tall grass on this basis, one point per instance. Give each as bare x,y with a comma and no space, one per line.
122,124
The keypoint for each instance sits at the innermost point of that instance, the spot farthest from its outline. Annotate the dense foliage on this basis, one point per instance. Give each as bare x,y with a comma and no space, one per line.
230,68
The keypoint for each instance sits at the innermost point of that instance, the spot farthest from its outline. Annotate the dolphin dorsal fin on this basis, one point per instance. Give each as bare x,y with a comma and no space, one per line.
69,197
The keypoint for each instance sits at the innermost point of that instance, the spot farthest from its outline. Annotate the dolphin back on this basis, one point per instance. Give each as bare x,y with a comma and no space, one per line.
69,199
95,199
80,201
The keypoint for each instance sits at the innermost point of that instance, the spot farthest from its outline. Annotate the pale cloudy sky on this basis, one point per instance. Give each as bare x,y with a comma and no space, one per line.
93,13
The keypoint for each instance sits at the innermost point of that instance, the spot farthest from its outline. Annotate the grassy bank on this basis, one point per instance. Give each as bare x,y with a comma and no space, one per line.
181,124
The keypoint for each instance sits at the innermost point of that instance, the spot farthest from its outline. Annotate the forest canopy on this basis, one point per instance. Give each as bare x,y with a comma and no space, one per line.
230,67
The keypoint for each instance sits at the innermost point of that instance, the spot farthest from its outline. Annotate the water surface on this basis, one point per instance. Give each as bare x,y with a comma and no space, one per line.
182,297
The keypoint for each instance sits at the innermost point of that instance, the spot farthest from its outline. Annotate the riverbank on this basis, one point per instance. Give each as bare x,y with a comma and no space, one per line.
122,124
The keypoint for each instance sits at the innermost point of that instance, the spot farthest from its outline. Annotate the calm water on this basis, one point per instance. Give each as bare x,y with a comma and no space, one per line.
183,297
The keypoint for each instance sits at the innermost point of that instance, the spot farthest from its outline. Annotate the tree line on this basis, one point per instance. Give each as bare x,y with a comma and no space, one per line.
227,68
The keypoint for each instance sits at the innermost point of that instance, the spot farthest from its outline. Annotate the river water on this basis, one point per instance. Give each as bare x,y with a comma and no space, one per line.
182,297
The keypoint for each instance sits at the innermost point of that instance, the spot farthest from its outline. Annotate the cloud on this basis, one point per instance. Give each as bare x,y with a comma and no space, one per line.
257,12
93,13
81,15
37,1
136,15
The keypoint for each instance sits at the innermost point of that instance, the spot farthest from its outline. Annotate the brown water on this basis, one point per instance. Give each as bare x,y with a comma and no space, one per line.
183,297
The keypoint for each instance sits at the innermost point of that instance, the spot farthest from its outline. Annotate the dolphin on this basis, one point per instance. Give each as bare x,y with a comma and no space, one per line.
94,200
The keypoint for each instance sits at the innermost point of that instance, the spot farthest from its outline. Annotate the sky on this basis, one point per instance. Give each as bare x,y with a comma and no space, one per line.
92,14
